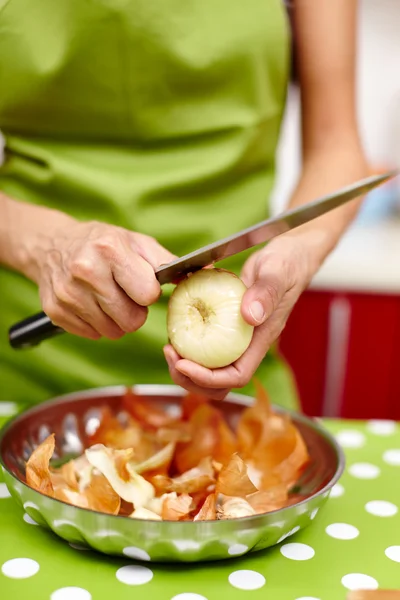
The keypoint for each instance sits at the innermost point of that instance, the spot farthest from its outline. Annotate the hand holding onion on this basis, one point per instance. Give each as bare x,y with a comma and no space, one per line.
221,327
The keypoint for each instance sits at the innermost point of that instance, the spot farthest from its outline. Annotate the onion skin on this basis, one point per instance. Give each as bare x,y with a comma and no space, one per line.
204,320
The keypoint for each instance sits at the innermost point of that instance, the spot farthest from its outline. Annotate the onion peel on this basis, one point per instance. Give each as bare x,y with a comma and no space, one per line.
233,479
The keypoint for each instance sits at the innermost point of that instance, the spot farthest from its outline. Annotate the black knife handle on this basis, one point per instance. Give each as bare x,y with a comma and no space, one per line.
30,332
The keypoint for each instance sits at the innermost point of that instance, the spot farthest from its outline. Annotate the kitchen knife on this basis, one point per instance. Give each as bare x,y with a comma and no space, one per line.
37,328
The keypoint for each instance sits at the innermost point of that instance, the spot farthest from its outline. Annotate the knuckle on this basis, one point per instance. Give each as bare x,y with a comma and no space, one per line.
143,238
106,243
62,293
271,291
82,268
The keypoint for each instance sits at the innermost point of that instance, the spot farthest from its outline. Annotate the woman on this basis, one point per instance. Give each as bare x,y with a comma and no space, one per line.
136,131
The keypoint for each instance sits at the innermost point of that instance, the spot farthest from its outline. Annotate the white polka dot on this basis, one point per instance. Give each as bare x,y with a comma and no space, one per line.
29,519
337,491
393,552
134,575
288,534
71,593
29,504
342,531
236,549
364,471
381,508
8,409
107,533
137,553
359,581
302,509
392,457
297,551
62,522
314,513
246,580
18,489
349,438
78,546
183,545
381,427
277,525
189,596
20,568
4,493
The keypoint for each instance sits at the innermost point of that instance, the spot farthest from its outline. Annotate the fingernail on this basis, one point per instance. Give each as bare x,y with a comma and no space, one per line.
257,311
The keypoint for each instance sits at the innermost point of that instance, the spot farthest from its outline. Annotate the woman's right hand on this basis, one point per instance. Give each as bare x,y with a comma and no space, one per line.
95,279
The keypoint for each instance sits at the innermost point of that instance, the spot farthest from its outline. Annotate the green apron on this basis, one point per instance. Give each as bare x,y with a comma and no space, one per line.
159,116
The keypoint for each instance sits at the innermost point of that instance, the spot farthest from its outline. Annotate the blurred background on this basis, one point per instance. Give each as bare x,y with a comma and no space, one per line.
342,340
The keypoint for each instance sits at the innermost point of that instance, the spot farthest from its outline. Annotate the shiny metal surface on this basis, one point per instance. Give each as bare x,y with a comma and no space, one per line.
266,230
74,416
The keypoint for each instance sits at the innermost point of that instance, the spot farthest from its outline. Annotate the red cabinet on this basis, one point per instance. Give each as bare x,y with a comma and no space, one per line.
344,349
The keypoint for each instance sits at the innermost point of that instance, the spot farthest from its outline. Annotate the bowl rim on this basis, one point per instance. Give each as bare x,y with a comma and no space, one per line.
175,391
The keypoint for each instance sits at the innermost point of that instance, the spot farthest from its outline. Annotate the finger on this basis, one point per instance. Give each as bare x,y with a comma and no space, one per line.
64,318
96,277
264,296
128,315
227,377
171,357
151,250
78,298
239,373
114,260
91,312
136,277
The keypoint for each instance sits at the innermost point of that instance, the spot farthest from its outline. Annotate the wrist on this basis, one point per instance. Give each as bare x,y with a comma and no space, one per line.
315,241
323,173
25,234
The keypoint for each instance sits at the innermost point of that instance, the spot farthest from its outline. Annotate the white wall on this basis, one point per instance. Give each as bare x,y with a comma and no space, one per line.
378,88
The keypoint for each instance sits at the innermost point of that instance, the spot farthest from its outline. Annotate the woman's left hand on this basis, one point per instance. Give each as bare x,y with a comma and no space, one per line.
275,277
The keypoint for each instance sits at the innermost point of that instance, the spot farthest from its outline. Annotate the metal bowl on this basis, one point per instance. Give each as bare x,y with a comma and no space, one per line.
72,417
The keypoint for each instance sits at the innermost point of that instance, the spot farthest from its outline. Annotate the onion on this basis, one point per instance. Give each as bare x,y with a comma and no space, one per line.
204,320
134,489
144,513
234,508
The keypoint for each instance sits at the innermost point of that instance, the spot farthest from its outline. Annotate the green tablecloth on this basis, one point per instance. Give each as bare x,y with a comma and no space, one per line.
353,543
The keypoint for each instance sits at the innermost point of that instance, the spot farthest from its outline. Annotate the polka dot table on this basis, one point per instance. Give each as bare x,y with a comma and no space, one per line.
353,543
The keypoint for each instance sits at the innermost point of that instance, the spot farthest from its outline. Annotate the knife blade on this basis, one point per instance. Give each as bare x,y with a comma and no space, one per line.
37,328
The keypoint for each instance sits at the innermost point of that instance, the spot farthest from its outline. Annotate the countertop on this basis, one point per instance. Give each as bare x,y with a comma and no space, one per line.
352,544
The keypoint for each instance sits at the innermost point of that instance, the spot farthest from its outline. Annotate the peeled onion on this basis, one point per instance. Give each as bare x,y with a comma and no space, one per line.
204,320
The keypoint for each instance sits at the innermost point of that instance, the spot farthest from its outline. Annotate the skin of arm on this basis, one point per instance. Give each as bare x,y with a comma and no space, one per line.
325,50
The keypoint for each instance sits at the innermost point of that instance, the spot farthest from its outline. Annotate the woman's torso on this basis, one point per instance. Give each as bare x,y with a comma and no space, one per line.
162,117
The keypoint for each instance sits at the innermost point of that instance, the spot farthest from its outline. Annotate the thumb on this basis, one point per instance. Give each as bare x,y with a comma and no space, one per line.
262,299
